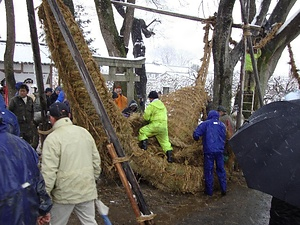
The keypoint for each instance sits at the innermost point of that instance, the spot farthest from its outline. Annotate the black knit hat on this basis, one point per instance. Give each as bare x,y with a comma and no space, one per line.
153,95
59,110
221,108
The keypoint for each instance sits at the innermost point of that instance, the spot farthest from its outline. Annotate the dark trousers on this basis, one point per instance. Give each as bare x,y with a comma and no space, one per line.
209,159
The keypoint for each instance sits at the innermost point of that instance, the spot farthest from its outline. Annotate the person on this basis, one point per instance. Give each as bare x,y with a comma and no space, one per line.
213,132
23,197
156,115
229,157
48,93
55,94
132,108
70,166
22,106
282,212
121,100
9,118
226,119
249,79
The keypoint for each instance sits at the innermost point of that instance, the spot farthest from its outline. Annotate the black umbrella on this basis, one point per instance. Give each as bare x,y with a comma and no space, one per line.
267,148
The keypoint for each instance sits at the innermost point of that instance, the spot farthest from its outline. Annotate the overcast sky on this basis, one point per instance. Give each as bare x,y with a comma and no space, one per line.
184,37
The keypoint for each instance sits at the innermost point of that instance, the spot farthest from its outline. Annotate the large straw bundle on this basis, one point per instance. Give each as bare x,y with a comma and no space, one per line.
183,106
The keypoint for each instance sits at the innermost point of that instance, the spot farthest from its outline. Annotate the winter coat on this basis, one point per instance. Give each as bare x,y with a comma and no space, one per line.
23,196
132,108
156,115
71,163
213,132
156,112
121,101
9,119
24,112
248,61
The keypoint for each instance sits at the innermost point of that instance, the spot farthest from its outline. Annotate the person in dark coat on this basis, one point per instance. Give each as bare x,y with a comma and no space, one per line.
48,93
22,106
213,133
9,118
132,108
282,212
23,197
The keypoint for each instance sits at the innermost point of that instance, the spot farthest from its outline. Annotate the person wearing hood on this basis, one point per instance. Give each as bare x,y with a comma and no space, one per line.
9,118
23,197
156,115
132,108
213,133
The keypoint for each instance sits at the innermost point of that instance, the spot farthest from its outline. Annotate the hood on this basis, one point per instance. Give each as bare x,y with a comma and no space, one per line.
157,103
213,114
132,103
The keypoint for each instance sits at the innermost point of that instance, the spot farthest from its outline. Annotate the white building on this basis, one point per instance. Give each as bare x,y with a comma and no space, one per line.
24,63
167,79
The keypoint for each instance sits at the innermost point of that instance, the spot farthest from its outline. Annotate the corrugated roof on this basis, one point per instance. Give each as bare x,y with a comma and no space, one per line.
23,53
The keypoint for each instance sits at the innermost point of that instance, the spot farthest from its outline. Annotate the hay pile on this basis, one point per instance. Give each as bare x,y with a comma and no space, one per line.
184,107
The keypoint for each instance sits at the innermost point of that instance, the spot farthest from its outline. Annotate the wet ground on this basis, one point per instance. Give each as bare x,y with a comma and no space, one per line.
241,205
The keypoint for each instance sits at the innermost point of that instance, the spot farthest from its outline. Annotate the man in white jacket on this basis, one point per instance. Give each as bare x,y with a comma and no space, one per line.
70,166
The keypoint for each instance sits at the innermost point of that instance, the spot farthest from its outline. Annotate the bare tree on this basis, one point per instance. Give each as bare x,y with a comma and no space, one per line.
10,48
225,58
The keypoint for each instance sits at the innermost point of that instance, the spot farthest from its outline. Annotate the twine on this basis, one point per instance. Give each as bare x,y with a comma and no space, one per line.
144,218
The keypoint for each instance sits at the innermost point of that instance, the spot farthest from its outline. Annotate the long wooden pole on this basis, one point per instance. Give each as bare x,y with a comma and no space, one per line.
250,46
99,107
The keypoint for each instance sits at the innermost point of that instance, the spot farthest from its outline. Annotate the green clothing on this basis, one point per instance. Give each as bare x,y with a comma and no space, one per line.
248,64
156,115
71,163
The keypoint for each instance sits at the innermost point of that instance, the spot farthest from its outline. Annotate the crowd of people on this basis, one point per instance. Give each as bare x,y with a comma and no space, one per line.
71,164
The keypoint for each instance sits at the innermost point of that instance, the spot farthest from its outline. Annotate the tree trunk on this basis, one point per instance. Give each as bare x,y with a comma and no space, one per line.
226,59
223,69
10,49
114,43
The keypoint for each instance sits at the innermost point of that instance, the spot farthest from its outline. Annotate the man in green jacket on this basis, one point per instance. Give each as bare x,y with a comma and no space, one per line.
156,115
70,166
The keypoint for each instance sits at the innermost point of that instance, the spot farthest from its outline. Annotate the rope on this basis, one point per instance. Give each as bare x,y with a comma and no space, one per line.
246,30
45,132
144,218
121,159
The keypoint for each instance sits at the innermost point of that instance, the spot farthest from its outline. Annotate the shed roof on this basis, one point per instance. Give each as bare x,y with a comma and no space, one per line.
23,53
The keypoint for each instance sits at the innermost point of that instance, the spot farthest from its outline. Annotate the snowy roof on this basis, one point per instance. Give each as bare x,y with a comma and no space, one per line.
23,53
162,69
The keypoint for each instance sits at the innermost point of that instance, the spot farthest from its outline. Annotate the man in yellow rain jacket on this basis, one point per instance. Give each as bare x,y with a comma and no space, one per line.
156,115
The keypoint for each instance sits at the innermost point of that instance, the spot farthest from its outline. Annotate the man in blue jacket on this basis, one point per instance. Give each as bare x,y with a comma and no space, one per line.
213,133
23,197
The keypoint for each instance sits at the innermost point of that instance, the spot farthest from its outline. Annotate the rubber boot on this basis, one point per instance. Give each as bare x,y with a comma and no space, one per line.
144,144
169,156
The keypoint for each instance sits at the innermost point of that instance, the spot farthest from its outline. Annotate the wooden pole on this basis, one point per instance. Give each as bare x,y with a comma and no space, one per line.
250,46
99,107
37,57
124,180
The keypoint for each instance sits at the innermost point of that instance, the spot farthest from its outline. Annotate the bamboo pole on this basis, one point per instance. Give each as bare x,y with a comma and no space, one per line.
250,46
124,180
